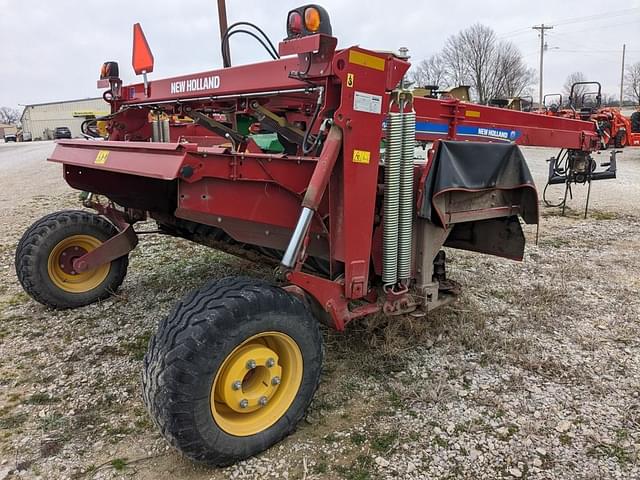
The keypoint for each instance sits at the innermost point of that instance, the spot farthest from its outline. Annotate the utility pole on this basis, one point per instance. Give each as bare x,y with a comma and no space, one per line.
541,29
222,20
624,48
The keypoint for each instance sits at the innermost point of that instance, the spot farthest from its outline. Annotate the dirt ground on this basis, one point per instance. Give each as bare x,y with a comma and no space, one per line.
534,373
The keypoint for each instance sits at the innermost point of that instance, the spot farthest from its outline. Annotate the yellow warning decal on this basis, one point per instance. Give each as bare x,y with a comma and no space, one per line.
472,113
366,60
361,156
102,156
350,79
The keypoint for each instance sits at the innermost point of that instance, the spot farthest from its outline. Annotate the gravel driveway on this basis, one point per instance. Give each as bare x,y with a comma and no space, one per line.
534,373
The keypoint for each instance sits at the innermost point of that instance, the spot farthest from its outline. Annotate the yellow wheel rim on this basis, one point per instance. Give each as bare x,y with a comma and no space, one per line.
256,384
60,265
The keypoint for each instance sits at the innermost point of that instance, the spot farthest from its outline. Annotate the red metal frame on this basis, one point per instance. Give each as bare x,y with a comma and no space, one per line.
256,197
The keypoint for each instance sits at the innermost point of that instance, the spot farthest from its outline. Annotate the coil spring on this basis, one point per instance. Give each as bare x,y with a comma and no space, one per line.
405,229
393,161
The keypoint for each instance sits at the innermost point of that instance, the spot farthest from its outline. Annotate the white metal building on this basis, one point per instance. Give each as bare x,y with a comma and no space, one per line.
40,120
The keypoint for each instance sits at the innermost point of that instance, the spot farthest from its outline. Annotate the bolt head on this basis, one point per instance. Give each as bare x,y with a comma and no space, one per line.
275,381
270,362
244,403
251,364
263,401
237,385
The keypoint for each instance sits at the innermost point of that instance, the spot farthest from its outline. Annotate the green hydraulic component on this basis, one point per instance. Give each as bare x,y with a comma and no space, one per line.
276,123
243,123
268,142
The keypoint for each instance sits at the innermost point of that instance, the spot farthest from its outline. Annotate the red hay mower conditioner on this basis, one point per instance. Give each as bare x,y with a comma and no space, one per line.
306,162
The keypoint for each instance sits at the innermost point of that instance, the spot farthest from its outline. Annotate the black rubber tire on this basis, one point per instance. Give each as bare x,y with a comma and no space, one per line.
620,139
189,348
32,254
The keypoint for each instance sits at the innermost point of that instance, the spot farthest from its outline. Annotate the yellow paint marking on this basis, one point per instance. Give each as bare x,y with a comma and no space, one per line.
361,156
472,113
102,156
350,78
366,60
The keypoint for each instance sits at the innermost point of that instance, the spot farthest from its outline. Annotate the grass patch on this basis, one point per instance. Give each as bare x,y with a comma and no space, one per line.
360,469
54,421
19,298
320,468
119,464
614,451
330,438
384,442
601,215
137,347
358,438
12,421
41,399
440,442
564,439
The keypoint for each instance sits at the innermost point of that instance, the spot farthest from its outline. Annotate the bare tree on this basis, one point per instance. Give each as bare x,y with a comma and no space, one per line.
492,68
609,100
512,75
431,71
470,55
9,115
632,82
578,91
456,61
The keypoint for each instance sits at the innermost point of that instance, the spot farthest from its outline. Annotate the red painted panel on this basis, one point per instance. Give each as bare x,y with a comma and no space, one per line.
155,160
254,201
363,107
243,79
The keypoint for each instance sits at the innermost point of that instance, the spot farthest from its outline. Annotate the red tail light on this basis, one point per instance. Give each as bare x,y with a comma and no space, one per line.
295,23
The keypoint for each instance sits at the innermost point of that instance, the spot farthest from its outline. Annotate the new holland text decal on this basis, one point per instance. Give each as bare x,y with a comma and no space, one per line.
195,84
489,132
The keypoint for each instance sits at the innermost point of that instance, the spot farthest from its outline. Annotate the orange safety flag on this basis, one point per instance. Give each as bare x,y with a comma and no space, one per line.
142,57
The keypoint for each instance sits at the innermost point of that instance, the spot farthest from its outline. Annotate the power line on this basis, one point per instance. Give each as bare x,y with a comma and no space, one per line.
573,20
602,27
590,18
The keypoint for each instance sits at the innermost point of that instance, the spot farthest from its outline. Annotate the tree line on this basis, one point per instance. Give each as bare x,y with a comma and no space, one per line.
495,68
9,116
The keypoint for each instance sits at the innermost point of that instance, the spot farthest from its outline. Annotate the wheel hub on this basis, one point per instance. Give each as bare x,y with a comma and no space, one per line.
68,256
256,383
250,366
60,265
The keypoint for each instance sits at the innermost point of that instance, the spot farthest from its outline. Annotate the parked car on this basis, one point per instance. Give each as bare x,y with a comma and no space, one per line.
61,132
10,137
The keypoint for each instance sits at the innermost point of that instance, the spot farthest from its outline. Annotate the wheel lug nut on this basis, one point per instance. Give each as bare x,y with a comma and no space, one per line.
270,362
263,401
275,381
251,364
244,403
236,385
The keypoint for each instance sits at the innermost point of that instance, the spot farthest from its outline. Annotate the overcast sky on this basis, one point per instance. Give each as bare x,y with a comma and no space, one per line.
52,50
